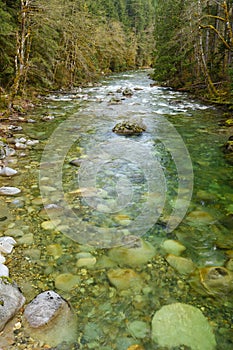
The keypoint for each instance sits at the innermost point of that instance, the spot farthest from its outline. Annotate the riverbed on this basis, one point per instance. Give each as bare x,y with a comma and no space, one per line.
84,189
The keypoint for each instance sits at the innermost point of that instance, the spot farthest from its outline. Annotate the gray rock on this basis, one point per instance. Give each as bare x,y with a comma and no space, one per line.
49,318
11,300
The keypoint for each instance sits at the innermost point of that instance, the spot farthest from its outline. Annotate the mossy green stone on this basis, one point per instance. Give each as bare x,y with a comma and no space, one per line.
181,324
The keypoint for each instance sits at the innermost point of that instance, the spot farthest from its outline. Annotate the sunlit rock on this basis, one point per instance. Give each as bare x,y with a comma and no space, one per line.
11,300
48,318
181,324
134,252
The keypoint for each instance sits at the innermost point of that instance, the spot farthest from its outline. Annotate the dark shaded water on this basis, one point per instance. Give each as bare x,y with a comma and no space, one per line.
170,182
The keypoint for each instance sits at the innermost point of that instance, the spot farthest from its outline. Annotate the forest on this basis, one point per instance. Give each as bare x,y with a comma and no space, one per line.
50,45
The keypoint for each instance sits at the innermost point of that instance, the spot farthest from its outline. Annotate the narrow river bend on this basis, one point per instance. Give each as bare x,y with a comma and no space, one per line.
171,182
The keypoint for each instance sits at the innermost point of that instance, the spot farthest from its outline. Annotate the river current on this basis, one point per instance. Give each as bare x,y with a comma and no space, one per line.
170,182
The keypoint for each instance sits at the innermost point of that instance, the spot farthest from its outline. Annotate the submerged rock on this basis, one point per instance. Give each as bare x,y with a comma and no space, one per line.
49,318
214,280
181,324
200,217
182,265
125,279
66,281
11,300
173,247
135,252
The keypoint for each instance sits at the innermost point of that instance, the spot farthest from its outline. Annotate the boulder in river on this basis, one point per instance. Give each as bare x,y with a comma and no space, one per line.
128,128
49,318
127,92
11,300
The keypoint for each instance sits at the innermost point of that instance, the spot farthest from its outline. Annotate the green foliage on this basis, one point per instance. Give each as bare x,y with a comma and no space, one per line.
194,44
66,42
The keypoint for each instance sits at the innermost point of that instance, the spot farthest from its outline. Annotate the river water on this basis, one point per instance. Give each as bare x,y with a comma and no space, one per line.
171,182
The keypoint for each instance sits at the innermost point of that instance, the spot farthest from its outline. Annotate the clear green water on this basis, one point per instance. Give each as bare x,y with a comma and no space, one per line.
156,163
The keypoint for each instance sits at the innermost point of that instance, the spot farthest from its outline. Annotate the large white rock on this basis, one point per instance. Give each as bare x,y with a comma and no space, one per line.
6,244
6,171
9,191
181,324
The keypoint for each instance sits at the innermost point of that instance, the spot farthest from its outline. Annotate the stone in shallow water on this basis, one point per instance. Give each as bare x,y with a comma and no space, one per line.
134,253
181,324
125,279
66,281
49,318
9,191
200,217
50,224
182,265
138,329
11,300
173,247
213,280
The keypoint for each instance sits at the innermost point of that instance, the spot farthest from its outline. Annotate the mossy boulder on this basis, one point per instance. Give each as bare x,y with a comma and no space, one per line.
128,128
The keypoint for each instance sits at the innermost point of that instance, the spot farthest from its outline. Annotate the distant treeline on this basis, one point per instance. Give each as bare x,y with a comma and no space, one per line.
194,46
51,44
